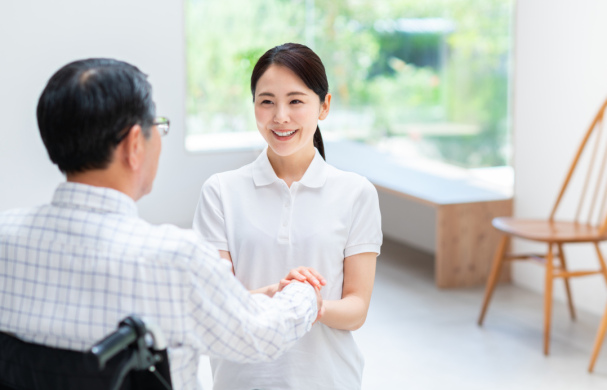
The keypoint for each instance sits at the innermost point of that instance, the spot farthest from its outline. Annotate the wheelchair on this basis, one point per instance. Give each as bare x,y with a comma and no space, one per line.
132,357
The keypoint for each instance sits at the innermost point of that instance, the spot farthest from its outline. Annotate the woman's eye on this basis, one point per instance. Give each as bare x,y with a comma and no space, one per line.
266,102
296,101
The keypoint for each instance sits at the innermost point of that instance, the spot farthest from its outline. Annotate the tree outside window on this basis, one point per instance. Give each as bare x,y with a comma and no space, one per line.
421,79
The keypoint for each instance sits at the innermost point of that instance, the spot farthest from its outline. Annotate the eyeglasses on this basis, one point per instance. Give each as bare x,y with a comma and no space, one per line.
163,124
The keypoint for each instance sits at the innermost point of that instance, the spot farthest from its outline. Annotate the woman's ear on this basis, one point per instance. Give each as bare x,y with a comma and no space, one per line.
133,148
324,107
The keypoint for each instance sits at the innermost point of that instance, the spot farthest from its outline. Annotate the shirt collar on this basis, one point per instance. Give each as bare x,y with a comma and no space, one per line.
98,199
315,176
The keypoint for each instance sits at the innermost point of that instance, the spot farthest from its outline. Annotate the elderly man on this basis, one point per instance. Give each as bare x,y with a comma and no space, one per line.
70,270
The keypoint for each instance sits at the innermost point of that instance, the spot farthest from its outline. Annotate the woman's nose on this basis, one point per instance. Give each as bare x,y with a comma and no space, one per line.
281,115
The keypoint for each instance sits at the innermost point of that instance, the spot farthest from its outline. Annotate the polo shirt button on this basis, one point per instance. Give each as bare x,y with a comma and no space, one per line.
284,223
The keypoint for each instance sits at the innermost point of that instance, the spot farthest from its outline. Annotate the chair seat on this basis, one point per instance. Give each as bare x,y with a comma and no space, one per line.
549,231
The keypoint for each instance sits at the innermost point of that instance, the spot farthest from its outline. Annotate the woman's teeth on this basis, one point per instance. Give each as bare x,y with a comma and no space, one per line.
283,133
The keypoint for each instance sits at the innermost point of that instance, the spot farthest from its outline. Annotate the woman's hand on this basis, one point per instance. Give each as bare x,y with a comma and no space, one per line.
303,274
319,304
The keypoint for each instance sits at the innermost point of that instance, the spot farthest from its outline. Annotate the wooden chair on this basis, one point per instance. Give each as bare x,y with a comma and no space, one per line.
598,342
589,225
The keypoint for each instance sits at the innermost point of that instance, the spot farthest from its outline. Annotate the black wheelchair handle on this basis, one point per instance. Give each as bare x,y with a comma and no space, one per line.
128,331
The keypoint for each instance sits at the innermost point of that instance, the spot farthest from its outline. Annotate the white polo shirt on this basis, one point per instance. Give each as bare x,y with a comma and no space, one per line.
269,228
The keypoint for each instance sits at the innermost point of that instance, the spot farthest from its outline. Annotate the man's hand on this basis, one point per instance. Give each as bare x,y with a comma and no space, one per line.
303,274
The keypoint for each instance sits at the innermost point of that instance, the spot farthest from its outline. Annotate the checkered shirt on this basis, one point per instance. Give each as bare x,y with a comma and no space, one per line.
71,270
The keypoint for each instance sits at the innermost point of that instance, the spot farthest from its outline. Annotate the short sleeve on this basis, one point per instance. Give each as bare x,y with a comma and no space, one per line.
365,231
209,218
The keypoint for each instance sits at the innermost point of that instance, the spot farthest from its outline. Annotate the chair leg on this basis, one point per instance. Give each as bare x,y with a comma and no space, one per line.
548,298
600,336
493,276
601,260
566,280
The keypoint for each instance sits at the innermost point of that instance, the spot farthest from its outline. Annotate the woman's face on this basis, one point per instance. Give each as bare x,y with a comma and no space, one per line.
287,111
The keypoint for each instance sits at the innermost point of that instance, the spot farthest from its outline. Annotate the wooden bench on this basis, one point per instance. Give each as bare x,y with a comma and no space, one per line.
444,210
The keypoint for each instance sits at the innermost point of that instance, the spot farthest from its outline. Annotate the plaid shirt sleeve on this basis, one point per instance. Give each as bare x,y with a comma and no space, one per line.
230,323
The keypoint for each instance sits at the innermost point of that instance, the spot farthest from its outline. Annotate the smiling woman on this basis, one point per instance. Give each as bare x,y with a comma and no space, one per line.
286,107
290,210
287,110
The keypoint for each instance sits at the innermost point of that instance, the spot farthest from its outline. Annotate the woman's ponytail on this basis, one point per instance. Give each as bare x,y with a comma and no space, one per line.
318,144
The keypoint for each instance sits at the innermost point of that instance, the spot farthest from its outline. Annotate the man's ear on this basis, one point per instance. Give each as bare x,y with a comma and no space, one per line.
133,150
324,107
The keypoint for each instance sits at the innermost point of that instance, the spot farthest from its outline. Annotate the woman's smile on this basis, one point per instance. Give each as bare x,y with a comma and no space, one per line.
283,135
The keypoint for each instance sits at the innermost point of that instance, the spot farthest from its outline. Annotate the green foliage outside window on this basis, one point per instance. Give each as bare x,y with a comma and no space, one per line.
434,73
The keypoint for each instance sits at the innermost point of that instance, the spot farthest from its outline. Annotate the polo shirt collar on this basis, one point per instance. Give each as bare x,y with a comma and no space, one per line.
263,173
315,176
91,198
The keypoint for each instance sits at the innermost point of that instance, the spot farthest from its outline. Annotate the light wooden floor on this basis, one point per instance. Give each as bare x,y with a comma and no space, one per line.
419,337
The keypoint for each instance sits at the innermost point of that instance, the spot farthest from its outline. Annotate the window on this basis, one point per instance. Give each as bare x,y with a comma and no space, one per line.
423,79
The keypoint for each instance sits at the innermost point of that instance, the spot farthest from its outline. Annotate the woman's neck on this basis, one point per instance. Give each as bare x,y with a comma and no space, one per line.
291,168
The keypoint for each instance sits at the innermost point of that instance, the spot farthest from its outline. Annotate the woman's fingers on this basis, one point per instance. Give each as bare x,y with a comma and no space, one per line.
314,276
283,283
295,274
320,305
317,275
311,278
308,274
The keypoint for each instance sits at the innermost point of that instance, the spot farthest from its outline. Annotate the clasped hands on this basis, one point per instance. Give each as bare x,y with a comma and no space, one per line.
310,276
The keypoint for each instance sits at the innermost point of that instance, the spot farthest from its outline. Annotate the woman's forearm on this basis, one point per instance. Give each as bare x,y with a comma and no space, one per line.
268,290
348,313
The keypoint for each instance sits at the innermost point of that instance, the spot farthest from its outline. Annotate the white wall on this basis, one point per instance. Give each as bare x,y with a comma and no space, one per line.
560,81
38,37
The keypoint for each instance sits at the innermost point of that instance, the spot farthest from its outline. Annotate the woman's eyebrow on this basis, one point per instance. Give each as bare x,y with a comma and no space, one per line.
294,93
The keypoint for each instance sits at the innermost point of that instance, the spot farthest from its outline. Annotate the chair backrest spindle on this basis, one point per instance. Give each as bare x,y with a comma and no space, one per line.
589,173
600,216
594,184
602,213
599,185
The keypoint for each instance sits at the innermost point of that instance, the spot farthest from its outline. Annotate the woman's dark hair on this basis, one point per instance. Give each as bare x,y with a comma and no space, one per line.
88,107
302,61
